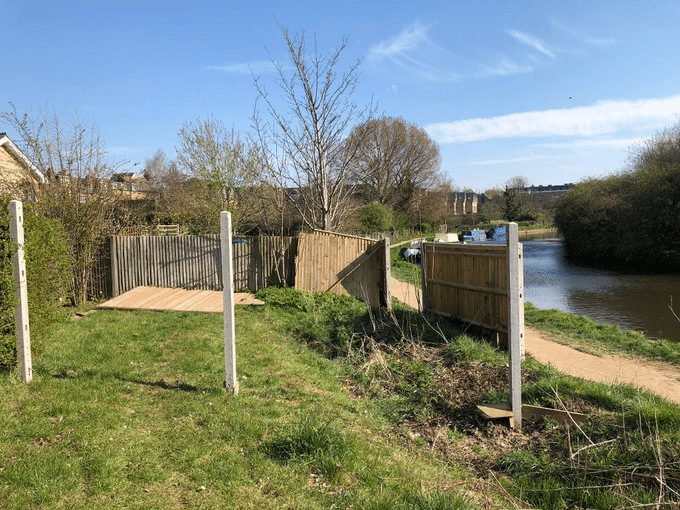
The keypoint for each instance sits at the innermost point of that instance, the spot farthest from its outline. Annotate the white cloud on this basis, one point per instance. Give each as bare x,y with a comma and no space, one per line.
417,55
611,143
504,67
531,41
601,118
583,37
399,47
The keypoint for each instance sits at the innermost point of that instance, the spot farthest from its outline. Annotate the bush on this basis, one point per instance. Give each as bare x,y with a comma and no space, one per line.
47,273
632,218
375,217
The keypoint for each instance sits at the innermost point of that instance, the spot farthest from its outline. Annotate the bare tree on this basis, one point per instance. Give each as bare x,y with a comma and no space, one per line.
167,188
517,182
395,162
78,191
303,144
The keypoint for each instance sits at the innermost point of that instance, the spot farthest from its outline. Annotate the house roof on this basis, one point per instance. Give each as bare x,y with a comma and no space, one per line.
18,154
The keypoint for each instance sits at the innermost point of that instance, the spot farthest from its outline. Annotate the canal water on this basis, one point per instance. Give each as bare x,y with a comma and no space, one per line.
633,300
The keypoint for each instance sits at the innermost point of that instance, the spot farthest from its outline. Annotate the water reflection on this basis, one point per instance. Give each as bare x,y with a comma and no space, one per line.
636,301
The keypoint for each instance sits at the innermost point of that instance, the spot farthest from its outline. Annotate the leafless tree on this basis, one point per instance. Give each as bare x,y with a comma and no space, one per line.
167,187
396,162
517,182
78,191
303,141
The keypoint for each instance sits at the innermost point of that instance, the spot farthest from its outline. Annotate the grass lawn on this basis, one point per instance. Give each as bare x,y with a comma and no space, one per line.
127,410
338,408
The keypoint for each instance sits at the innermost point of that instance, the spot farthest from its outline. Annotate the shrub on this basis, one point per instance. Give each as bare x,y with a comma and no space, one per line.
375,217
47,273
630,218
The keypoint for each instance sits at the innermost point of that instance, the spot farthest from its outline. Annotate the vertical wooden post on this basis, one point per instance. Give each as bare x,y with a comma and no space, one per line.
515,323
16,212
387,275
423,280
114,268
230,382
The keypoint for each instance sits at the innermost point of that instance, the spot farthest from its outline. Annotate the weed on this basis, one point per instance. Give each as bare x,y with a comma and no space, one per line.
465,348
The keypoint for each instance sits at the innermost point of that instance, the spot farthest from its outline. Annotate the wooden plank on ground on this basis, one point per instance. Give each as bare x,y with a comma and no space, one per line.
502,410
160,299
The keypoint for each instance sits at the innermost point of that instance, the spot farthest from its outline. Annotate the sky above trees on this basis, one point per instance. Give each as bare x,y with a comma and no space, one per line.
552,91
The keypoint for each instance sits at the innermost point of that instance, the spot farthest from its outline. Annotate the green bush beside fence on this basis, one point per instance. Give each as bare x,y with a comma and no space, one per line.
48,275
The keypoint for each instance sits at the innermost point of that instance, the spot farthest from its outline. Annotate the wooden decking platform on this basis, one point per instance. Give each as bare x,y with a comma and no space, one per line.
160,299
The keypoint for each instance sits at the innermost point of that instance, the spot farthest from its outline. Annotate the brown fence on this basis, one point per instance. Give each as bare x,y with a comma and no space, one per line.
469,282
194,262
343,264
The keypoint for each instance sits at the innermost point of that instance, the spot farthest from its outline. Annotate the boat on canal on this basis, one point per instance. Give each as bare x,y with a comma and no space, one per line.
473,235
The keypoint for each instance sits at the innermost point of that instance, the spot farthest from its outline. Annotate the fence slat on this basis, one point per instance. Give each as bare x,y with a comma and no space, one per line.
194,262
469,282
342,264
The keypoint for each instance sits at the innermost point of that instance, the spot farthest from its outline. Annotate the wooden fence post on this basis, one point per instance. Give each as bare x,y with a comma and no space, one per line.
515,323
387,275
230,382
16,212
115,288
424,305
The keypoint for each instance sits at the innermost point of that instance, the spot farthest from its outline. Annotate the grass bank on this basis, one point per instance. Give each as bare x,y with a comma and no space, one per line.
127,410
339,407
425,380
589,335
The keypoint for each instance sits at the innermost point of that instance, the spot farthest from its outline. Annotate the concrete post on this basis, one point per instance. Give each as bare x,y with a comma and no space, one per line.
16,212
387,275
515,322
230,382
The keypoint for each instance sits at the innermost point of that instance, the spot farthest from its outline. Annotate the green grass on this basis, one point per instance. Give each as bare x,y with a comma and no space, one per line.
128,410
582,331
610,462
402,269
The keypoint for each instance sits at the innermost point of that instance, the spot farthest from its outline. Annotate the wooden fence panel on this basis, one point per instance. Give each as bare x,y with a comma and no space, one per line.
194,262
468,282
343,264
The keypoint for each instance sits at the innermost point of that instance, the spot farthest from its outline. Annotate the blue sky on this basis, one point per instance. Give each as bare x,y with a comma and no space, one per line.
553,91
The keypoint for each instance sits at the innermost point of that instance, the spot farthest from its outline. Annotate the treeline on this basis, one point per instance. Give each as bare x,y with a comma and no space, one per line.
632,218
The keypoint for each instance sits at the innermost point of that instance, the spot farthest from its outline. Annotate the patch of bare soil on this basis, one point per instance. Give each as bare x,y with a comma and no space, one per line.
459,433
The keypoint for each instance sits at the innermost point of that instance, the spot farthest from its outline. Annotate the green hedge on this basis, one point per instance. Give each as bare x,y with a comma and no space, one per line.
48,275
631,218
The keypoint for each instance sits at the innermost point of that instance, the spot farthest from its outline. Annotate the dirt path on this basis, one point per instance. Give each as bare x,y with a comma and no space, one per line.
660,378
